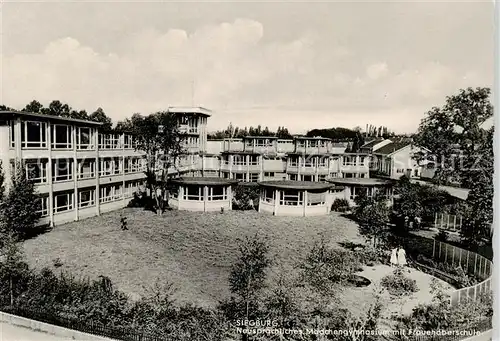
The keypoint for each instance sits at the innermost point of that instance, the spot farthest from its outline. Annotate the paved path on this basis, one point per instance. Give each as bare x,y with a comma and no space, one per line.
14,333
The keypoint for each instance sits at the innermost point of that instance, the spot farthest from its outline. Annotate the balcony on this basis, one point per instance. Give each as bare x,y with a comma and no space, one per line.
185,129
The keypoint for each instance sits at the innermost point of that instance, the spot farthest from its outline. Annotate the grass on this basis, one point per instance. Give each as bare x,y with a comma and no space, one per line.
192,250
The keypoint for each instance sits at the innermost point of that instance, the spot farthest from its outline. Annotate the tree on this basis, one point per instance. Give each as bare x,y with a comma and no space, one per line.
33,106
463,153
159,137
6,108
478,215
100,116
248,276
324,268
21,205
372,214
454,132
12,267
2,183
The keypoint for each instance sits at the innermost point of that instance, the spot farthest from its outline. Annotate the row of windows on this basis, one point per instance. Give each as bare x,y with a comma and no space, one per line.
65,201
308,162
62,169
34,135
305,177
195,193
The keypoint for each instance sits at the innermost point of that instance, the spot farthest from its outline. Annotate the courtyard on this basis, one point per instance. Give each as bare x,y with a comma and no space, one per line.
192,250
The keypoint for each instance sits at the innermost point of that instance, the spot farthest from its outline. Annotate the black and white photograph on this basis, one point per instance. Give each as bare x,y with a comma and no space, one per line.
247,170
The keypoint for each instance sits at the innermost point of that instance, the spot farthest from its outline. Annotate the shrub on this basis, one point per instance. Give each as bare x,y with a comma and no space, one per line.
245,197
442,236
340,205
370,256
398,284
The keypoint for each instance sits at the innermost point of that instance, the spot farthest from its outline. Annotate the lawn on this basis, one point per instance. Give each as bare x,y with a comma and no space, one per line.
193,251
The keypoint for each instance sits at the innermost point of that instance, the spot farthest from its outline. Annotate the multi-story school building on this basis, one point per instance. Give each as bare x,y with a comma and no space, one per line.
81,172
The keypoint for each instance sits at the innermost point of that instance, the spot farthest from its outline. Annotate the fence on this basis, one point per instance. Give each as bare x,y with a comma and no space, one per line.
448,222
472,264
125,334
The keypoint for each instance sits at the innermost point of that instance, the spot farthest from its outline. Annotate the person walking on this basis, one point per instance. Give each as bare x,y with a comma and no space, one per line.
394,257
401,256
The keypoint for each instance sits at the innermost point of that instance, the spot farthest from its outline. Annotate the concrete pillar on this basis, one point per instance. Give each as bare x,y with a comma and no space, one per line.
75,172
97,165
49,173
276,201
5,152
304,203
205,198
247,162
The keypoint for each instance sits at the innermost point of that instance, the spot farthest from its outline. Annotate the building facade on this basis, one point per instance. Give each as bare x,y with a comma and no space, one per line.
78,171
81,172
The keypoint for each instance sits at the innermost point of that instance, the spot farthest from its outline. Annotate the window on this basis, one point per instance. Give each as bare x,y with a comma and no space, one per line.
316,199
86,197
322,177
291,198
62,170
254,160
323,162
269,174
111,193
349,175
239,160
33,134
128,141
293,161
63,202
307,178
362,160
355,191
260,142
106,167
117,165
109,141
43,206
174,192
12,134
293,177
349,161
217,193
301,144
309,162
86,169
334,175
61,137
313,143
193,193
84,138
363,175
249,143
400,170
239,176
225,160
254,177
267,195
36,171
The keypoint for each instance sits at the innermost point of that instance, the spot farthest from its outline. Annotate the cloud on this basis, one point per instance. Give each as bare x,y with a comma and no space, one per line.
376,71
306,81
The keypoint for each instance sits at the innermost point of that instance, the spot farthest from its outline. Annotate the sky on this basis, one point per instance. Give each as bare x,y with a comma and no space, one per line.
302,65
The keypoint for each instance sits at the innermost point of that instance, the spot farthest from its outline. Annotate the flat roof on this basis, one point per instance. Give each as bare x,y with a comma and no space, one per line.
260,137
312,138
204,181
290,184
244,152
362,181
190,110
9,114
